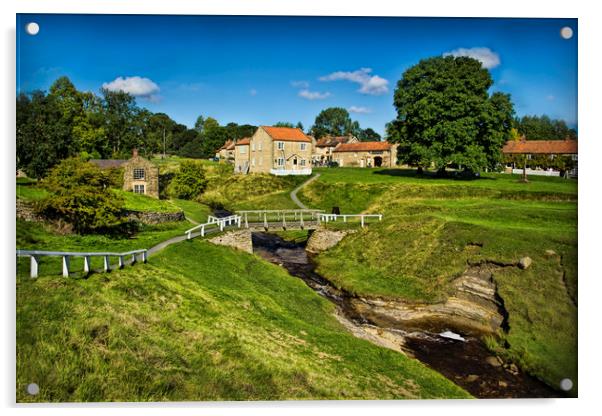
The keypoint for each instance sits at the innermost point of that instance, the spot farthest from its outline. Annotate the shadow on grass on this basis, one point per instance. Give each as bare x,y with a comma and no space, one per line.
413,173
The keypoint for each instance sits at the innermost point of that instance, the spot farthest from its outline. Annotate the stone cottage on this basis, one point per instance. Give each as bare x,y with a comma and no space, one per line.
365,154
324,147
141,176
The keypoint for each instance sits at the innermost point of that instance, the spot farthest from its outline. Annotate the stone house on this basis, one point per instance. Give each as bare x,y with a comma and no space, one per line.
365,154
324,147
532,149
226,152
275,150
141,176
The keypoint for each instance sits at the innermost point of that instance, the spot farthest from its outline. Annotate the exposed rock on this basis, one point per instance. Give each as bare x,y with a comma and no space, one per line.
493,361
502,384
25,211
472,309
240,239
550,253
323,239
155,217
513,369
525,262
472,377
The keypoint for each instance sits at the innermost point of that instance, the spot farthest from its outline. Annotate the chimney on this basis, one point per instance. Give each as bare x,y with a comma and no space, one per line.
134,152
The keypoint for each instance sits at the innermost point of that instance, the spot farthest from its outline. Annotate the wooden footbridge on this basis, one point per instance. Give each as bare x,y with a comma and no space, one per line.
283,219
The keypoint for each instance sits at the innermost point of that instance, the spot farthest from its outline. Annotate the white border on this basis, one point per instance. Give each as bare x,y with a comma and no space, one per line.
590,231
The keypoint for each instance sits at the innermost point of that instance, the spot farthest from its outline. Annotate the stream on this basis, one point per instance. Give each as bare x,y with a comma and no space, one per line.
462,358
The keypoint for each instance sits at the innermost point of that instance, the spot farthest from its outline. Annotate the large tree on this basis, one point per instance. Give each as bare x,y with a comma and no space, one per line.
333,121
446,115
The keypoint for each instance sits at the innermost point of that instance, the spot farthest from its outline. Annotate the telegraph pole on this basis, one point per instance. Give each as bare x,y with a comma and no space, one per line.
163,142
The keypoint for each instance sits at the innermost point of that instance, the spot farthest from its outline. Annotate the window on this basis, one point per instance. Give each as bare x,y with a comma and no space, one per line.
253,147
303,146
259,146
253,162
139,174
574,157
528,157
139,189
302,163
280,145
280,161
243,150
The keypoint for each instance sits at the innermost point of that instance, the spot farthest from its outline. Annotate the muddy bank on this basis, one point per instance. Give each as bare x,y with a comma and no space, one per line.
445,337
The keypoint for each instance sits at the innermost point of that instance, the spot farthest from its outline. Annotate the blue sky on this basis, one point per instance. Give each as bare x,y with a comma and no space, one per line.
261,70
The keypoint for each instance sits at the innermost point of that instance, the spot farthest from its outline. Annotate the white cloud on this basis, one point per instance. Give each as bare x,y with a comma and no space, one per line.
550,97
313,95
369,84
300,84
359,110
253,92
136,86
488,58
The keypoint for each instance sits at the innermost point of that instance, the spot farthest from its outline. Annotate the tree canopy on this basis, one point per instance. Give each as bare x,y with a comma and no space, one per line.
543,128
336,121
446,115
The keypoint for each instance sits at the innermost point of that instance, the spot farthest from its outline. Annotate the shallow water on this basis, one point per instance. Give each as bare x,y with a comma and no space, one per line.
461,358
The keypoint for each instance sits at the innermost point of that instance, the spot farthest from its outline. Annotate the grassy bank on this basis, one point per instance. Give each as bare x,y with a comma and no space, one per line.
432,228
200,322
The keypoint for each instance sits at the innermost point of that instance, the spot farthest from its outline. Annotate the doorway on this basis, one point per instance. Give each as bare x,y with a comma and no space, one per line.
378,161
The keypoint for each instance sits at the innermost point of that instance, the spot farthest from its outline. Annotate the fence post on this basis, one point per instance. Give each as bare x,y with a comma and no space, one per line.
144,256
86,264
133,259
380,217
302,225
283,220
121,262
33,267
265,220
203,230
189,235
246,220
66,266
362,217
106,264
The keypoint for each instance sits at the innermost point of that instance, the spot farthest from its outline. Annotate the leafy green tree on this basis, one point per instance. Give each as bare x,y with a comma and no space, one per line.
299,125
43,136
120,112
334,121
189,181
199,124
80,195
445,115
284,124
369,135
544,128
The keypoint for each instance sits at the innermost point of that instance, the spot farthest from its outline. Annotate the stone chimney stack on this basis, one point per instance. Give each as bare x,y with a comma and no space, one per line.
134,152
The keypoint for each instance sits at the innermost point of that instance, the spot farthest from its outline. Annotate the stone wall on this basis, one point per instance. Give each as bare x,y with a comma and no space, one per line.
153,218
26,212
240,239
323,239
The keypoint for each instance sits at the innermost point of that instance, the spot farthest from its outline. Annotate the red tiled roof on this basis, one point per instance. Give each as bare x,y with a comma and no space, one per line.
229,143
332,141
243,142
363,147
286,134
557,147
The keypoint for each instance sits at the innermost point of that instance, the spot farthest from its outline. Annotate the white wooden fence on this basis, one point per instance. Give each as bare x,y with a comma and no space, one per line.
344,217
214,223
35,255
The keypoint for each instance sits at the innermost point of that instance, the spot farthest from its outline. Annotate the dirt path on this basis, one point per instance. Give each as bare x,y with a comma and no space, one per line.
294,191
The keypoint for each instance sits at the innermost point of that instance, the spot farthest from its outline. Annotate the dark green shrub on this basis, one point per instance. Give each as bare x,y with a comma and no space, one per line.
189,181
81,196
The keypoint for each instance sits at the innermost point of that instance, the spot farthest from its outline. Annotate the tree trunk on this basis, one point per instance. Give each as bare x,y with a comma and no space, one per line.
524,178
419,171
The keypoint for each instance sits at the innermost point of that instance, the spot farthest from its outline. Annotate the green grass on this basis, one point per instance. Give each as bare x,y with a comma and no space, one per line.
432,228
194,210
144,203
200,322
28,190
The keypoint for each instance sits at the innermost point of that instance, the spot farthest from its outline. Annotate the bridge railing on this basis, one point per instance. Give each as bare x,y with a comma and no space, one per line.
214,223
35,255
344,217
270,216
